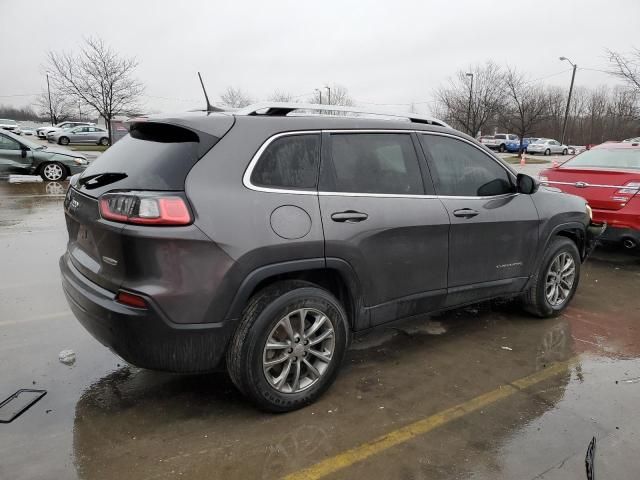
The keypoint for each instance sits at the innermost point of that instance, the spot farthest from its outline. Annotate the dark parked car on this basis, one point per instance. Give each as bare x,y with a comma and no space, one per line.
264,242
20,155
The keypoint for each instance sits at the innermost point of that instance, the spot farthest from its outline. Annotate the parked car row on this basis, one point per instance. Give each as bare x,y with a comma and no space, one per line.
86,134
44,131
508,142
19,155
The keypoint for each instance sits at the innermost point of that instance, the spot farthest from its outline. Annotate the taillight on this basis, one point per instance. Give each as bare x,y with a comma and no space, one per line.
145,208
630,188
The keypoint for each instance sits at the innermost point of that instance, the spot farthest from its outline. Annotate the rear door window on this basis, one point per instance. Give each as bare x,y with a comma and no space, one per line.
384,163
289,162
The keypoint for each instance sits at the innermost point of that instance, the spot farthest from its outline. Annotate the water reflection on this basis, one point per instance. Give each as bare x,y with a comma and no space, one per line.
152,423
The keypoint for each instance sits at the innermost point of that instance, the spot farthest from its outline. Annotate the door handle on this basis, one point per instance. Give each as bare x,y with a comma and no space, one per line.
349,216
465,213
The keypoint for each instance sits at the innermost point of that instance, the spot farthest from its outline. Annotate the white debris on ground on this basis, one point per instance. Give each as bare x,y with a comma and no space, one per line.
507,348
24,179
68,357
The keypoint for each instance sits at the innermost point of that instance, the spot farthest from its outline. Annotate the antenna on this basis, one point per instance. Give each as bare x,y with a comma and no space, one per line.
210,108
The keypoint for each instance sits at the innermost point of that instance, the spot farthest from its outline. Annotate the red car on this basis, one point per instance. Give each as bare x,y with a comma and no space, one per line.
608,178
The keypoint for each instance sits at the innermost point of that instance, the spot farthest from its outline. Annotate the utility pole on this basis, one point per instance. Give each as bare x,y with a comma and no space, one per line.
469,106
320,94
329,92
566,112
49,93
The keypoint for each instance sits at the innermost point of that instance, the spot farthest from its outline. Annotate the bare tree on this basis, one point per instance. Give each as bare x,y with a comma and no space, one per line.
279,96
98,77
626,67
61,106
235,98
526,107
467,108
339,96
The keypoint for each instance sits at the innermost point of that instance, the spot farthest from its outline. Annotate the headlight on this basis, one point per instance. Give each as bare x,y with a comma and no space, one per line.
80,161
543,178
589,211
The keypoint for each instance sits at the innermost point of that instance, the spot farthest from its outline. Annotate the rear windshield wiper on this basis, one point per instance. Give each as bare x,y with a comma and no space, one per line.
100,179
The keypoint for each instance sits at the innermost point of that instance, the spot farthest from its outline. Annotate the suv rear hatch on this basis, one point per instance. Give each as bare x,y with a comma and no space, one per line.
156,157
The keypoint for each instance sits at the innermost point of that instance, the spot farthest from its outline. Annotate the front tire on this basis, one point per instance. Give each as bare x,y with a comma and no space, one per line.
289,345
502,148
53,172
556,281
565,151
63,141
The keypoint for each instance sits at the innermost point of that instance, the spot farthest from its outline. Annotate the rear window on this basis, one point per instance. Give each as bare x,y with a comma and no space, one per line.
154,156
372,163
289,162
607,158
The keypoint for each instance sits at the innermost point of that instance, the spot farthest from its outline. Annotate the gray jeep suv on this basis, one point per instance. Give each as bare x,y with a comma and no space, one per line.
264,239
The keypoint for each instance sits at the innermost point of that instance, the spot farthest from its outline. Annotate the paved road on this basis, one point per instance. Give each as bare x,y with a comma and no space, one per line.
480,393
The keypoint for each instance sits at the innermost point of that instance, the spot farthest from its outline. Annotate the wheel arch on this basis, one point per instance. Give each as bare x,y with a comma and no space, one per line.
334,275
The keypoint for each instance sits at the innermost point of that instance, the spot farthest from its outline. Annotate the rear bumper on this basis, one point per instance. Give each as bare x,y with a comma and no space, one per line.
617,235
144,337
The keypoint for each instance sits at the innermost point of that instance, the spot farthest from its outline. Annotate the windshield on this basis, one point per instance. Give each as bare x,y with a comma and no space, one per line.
607,158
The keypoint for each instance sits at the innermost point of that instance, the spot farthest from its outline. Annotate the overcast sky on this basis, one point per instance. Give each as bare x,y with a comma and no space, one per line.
390,52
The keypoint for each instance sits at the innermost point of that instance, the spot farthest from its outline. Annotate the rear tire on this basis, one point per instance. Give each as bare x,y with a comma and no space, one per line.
565,151
248,355
63,141
104,141
502,148
547,152
540,300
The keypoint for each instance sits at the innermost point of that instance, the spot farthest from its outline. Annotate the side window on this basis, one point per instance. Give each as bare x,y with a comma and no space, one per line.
372,163
460,169
513,137
289,162
7,143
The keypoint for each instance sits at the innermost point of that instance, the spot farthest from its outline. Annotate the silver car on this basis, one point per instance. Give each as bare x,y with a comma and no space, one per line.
547,146
83,134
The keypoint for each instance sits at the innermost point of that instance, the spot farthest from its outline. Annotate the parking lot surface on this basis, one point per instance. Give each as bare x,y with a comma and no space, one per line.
486,392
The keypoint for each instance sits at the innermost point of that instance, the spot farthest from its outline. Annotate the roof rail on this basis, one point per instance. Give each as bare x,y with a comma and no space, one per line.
284,108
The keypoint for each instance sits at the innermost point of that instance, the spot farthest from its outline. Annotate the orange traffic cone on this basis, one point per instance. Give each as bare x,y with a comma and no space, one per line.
523,161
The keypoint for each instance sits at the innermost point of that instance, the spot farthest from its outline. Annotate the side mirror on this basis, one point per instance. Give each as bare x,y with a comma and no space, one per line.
526,184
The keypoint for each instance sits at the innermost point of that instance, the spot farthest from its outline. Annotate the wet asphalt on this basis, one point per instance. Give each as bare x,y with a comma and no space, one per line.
104,419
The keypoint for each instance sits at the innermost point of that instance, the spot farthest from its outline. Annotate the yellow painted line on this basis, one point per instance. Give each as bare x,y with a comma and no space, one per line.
404,434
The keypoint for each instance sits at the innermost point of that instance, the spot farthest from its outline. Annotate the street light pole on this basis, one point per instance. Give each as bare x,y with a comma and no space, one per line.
469,106
320,94
566,112
49,93
329,92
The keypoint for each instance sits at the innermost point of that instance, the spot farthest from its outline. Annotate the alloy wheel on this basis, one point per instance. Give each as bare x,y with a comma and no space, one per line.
53,172
298,350
560,278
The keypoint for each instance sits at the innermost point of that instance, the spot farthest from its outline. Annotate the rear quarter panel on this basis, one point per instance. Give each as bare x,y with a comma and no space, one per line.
238,219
